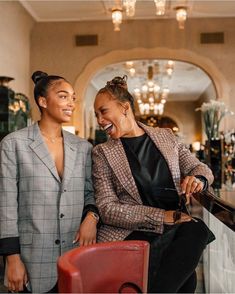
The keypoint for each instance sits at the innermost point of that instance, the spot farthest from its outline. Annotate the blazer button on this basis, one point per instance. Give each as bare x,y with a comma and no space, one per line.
57,242
61,215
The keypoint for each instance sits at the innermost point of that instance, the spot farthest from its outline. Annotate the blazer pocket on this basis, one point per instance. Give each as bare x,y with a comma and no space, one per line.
26,238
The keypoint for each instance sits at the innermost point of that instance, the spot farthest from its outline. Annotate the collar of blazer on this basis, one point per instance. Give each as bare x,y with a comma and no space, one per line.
40,149
164,140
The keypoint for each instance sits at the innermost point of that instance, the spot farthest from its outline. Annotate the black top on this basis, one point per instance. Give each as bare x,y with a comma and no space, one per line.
151,173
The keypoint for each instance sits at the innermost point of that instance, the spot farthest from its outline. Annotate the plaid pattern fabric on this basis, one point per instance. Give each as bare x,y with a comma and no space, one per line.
36,205
117,196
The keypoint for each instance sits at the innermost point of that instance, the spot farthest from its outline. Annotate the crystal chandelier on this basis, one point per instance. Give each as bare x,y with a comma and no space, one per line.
181,16
160,7
117,18
117,12
129,6
151,96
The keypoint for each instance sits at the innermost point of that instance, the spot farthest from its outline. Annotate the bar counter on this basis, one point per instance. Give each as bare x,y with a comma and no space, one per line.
218,212
220,203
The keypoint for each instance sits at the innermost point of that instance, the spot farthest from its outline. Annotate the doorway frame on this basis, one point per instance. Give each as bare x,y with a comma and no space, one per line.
207,65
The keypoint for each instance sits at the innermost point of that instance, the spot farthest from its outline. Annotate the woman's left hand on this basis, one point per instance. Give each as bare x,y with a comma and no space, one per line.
190,185
86,234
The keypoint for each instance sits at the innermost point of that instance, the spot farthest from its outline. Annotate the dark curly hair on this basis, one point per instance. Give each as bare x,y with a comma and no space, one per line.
117,88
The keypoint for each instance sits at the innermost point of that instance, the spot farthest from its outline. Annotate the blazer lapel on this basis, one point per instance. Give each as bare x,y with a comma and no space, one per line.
69,158
117,159
39,148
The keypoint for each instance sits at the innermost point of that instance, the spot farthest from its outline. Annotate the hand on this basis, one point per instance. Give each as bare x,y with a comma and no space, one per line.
86,234
16,273
189,185
169,218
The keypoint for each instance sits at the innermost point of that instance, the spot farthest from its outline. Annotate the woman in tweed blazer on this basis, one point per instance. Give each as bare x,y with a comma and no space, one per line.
138,176
46,195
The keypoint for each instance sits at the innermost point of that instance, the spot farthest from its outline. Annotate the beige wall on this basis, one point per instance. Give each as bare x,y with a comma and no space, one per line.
54,50
15,32
187,119
90,124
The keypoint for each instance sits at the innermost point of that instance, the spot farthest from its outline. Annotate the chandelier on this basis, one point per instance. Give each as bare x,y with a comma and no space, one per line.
128,6
160,7
181,16
117,18
152,95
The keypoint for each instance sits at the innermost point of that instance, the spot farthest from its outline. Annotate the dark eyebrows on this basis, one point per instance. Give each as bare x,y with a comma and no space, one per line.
64,91
101,108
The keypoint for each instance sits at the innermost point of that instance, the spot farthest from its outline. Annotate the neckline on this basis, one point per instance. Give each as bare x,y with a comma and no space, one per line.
135,138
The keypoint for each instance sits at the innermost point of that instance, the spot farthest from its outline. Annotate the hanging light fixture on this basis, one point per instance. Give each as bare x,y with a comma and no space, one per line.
117,18
129,6
151,97
181,16
160,7
170,67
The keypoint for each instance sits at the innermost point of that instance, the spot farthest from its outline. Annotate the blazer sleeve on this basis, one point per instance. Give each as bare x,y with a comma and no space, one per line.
132,216
189,164
9,236
89,198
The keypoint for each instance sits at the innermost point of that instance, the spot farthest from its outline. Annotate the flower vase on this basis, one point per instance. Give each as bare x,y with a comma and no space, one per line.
211,125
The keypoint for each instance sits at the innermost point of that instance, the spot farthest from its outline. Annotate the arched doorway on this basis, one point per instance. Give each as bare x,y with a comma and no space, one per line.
82,82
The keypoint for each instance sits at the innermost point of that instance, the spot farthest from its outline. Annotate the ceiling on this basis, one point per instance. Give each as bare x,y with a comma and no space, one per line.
180,83
77,10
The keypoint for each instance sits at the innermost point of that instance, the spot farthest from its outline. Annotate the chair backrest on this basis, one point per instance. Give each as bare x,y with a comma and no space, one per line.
111,267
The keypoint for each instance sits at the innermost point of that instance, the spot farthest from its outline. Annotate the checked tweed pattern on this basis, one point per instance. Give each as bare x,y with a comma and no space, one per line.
33,198
117,196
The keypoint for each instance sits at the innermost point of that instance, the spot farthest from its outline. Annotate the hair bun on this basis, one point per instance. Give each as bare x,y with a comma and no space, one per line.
38,75
119,82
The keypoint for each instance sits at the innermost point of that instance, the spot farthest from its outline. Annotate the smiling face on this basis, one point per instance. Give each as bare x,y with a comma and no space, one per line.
113,116
59,102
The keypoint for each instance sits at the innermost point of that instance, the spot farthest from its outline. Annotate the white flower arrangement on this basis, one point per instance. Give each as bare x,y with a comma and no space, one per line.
213,112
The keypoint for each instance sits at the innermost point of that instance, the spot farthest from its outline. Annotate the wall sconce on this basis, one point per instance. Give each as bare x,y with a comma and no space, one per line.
117,18
181,16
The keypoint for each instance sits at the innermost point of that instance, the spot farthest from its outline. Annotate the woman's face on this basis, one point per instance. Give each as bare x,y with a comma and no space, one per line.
60,101
111,115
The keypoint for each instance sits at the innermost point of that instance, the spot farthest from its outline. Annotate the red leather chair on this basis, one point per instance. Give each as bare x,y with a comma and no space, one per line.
112,267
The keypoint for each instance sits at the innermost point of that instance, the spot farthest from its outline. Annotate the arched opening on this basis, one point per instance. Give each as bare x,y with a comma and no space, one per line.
82,82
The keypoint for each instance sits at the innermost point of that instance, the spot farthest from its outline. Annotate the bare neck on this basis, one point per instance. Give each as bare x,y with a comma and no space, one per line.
134,131
50,127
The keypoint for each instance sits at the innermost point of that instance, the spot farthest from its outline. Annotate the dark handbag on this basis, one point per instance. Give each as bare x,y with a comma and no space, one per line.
210,234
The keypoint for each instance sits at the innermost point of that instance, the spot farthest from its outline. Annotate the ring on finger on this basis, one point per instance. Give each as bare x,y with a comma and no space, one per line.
197,181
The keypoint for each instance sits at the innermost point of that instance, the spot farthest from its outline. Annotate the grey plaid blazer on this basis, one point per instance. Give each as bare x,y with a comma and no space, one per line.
117,196
36,205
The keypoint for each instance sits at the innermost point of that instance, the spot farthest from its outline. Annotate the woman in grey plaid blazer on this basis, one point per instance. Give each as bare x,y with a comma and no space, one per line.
46,194
138,177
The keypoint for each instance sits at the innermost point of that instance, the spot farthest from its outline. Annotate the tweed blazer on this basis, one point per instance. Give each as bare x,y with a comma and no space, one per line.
36,205
117,197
